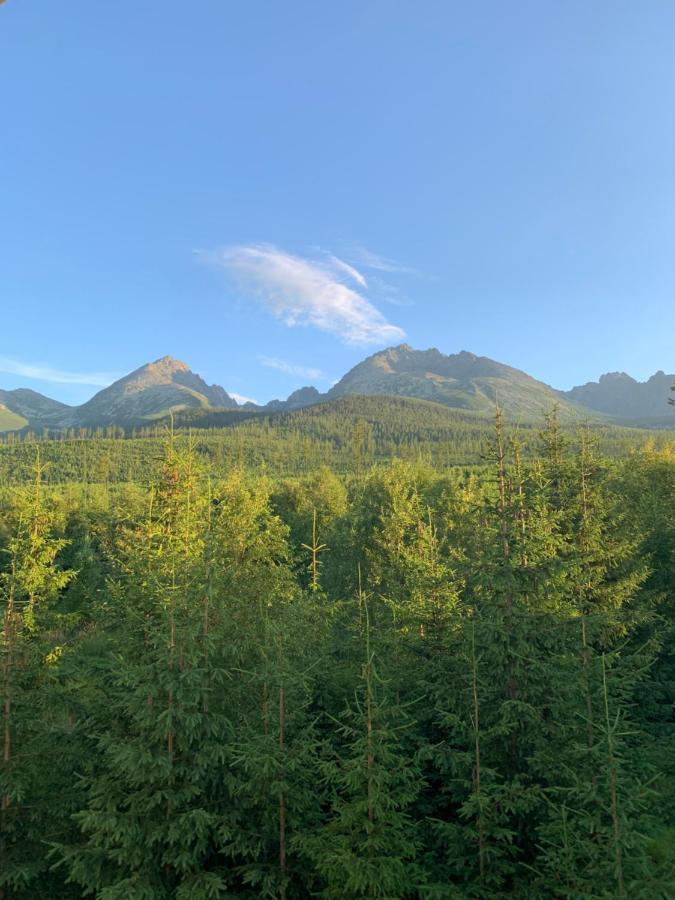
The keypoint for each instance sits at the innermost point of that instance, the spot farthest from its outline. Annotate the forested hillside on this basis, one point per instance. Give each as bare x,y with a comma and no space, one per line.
349,434
393,678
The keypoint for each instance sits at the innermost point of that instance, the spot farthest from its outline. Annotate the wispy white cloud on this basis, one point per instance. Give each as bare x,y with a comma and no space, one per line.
42,372
364,257
340,265
241,399
302,291
291,368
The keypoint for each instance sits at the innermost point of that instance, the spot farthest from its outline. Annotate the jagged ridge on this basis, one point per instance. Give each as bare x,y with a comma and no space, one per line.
460,381
150,392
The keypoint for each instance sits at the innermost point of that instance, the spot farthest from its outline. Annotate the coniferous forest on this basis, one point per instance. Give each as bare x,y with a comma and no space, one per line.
398,678
377,601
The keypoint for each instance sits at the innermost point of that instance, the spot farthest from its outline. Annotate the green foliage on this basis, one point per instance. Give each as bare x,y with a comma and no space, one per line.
368,843
349,435
33,634
194,705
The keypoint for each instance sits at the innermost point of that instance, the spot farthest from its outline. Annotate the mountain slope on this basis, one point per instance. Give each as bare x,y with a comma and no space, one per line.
304,396
460,380
153,390
10,421
33,410
622,397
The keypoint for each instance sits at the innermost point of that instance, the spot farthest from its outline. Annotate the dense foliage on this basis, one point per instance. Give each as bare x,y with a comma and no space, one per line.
349,435
406,681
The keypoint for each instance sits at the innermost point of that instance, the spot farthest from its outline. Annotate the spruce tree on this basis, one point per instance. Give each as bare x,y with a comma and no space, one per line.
596,838
29,591
594,835
368,845
149,821
501,665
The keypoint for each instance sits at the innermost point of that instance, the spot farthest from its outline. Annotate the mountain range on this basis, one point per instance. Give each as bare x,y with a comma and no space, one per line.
460,380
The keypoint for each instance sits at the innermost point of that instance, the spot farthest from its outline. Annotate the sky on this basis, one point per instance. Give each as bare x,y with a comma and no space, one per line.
271,191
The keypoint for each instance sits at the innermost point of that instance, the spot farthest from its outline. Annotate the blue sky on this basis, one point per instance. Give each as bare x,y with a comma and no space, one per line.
271,191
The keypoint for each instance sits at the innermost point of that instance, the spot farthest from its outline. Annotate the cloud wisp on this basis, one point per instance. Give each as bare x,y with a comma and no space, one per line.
289,368
41,372
369,260
326,293
344,268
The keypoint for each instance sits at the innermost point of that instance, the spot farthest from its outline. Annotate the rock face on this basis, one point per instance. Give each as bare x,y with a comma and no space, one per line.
154,390
304,396
150,392
457,380
622,397
462,380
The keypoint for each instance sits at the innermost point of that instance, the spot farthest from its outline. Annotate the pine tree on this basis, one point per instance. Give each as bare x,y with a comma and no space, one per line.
316,548
594,837
492,718
29,590
501,665
149,823
367,846
275,758
596,840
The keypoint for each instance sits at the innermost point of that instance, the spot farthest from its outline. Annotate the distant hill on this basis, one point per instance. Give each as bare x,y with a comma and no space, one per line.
622,397
304,396
33,410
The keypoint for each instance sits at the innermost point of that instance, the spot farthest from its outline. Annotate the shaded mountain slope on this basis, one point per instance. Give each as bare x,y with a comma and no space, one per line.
33,410
622,397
